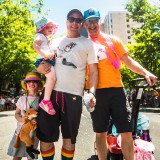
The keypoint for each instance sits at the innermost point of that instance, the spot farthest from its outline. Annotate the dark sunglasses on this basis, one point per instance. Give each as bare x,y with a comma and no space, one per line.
33,81
92,20
77,20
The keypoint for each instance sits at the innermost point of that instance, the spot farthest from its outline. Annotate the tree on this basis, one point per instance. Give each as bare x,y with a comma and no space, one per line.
16,37
146,49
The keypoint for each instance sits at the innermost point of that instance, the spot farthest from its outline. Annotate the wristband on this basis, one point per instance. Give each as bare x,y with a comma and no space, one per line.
94,94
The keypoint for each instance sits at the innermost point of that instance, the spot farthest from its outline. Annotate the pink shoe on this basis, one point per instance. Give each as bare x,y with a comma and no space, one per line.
48,107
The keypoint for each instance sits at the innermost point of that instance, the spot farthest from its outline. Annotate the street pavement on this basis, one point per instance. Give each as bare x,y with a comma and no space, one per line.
154,115
86,137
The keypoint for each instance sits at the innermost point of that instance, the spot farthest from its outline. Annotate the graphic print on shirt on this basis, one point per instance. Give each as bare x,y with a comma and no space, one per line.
67,48
101,52
61,57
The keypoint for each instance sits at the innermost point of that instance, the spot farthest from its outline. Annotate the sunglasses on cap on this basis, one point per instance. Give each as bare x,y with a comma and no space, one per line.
92,20
77,20
33,81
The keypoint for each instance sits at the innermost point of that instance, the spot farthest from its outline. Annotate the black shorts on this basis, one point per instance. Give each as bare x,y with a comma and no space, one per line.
68,114
111,102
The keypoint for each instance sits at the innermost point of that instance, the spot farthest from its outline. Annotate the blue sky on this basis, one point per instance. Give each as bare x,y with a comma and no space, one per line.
60,8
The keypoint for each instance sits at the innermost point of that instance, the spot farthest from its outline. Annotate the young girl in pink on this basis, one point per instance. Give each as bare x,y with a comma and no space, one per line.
45,28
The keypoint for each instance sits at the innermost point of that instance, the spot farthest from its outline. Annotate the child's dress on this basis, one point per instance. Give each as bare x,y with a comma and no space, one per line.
45,46
24,103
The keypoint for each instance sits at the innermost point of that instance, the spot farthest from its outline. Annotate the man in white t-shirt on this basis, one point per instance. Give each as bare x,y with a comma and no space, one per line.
74,53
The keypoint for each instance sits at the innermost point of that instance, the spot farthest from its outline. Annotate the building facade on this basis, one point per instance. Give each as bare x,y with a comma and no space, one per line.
118,24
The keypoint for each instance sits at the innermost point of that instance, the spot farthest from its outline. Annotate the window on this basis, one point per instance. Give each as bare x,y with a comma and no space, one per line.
128,31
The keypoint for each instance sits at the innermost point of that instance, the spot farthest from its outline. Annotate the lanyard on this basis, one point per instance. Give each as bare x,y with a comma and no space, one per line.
32,103
116,63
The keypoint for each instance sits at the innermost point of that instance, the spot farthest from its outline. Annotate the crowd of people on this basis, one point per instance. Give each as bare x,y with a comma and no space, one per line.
93,62
7,103
150,97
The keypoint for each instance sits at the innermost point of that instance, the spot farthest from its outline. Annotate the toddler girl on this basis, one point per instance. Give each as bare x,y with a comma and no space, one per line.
45,28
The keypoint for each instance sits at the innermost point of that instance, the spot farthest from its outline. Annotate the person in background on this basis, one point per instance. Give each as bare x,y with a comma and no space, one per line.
8,102
13,105
33,85
2,103
110,94
45,29
74,53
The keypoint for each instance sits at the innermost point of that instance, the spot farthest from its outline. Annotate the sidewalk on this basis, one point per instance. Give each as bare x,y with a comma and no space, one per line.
84,145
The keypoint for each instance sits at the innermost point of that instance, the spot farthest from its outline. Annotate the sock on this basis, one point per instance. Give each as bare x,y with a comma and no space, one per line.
48,155
67,155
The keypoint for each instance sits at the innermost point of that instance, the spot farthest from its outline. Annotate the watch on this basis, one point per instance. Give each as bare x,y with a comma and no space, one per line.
94,93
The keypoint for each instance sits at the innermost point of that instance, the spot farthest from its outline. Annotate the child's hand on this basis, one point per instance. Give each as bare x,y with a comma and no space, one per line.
33,121
50,56
24,119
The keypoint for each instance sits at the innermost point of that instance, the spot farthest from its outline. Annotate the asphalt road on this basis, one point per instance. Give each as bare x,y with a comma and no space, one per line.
154,116
85,140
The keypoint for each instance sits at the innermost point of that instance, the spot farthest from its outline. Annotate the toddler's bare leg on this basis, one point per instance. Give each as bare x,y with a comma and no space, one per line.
50,82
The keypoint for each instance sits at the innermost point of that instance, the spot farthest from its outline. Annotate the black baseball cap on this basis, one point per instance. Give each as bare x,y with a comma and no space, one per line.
74,11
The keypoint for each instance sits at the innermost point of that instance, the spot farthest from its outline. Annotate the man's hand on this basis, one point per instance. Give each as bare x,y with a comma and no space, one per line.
92,102
44,67
151,79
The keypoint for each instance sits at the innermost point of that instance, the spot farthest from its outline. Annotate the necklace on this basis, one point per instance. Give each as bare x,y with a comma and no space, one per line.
31,103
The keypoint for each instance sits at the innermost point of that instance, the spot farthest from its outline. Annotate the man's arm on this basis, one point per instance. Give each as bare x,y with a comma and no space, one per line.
93,76
137,68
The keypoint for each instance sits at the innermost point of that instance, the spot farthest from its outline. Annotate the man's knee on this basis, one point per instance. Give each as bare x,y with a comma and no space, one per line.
45,146
127,137
68,145
101,135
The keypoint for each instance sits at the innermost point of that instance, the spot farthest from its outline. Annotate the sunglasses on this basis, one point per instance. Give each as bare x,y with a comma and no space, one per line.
92,21
77,20
33,81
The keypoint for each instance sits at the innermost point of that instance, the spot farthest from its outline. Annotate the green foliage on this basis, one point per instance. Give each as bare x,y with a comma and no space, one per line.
146,50
16,38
